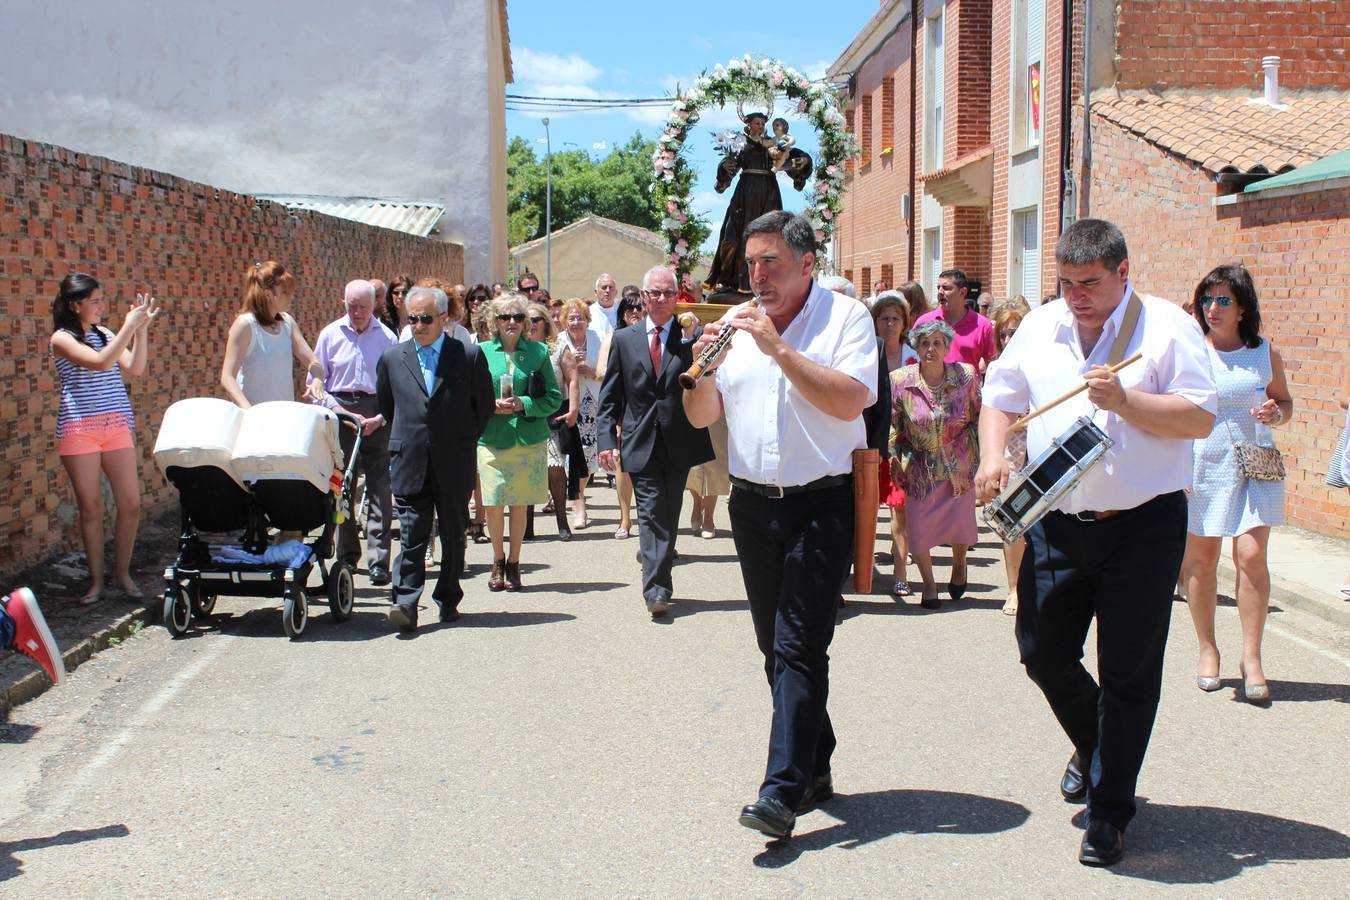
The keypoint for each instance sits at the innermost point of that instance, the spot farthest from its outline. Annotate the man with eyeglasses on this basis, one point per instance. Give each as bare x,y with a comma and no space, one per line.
349,350
1111,548
528,285
641,397
436,394
605,309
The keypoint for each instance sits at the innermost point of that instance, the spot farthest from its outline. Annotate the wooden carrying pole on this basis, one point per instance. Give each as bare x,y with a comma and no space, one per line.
1022,422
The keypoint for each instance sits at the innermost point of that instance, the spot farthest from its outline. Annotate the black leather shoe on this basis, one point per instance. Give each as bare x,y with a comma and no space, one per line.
1103,845
379,576
449,613
404,616
1073,785
818,791
769,816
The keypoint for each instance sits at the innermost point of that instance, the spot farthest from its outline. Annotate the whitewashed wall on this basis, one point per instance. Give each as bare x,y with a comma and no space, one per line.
387,99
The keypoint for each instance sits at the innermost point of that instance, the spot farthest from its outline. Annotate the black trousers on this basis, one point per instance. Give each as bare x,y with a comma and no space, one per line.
794,553
373,466
450,507
658,495
1123,570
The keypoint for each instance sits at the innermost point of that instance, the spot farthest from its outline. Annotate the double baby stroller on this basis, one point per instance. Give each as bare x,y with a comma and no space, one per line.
239,472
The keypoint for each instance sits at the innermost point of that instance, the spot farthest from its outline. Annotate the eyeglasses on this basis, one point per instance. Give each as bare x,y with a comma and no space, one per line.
890,320
421,320
1224,302
511,317
669,295
537,320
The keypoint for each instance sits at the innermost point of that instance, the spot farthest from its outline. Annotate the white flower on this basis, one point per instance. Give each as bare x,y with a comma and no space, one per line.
670,224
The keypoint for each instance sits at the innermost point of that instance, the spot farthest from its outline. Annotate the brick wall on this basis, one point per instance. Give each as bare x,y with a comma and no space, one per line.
189,243
1204,44
1298,251
967,50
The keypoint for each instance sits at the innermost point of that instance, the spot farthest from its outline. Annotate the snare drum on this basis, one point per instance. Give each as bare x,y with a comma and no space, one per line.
1039,487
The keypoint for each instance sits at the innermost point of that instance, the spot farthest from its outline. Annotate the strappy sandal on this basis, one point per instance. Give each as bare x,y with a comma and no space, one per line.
901,589
476,532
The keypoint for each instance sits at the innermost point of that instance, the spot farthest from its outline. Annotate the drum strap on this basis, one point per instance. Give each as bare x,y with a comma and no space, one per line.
1127,326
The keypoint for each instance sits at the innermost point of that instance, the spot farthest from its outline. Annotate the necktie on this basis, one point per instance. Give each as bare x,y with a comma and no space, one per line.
428,355
656,350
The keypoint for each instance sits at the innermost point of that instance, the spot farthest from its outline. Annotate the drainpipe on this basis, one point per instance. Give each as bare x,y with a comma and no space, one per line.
1085,178
1068,193
913,161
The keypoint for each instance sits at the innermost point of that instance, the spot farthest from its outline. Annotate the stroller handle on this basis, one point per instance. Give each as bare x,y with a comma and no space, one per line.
352,422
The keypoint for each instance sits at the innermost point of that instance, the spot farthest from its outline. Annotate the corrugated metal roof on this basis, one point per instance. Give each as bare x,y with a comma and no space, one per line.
409,216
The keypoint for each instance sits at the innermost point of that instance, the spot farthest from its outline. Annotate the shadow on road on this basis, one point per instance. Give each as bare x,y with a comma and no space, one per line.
1207,844
11,867
16,732
864,818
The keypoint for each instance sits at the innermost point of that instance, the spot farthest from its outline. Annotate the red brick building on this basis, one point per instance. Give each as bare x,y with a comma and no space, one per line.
973,157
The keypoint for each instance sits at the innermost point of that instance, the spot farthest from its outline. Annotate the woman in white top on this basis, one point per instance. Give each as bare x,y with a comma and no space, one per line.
265,341
584,342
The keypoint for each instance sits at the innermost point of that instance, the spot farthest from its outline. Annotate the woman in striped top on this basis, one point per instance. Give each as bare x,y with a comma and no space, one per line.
94,427
265,341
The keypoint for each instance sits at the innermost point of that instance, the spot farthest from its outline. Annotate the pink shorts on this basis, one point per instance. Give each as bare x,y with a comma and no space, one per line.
95,439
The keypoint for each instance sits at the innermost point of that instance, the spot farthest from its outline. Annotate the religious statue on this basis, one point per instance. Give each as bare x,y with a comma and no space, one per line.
758,157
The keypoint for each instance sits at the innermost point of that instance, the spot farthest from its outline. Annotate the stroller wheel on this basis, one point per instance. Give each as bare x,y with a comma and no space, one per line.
294,612
177,611
341,592
203,602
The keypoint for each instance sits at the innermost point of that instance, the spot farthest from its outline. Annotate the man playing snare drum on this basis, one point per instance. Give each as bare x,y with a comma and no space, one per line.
1112,546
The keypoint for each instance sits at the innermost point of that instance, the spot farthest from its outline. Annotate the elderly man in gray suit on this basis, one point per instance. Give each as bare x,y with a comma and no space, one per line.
436,395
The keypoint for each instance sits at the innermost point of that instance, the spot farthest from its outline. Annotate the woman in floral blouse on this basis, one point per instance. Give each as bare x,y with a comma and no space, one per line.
934,451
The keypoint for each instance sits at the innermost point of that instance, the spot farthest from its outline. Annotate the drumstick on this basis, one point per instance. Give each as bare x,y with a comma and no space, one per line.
1022,422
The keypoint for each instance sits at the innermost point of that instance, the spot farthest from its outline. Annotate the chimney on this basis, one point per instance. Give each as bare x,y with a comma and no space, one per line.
1271,66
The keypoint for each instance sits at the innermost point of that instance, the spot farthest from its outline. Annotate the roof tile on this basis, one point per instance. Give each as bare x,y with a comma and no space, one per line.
1224,132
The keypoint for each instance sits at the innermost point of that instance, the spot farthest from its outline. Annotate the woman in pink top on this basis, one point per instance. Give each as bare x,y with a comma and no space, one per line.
974,340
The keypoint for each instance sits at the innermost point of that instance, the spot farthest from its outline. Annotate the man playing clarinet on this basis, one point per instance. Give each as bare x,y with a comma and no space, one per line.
1111,547
793,384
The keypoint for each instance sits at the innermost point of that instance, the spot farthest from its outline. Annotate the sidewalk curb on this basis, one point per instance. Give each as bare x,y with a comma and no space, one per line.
1293,595
36,683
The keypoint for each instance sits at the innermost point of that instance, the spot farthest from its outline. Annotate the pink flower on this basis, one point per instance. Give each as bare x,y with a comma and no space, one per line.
826,214
801,106
682,218
683,114
675,258
672,207
777,79
803,84
820,235
832,170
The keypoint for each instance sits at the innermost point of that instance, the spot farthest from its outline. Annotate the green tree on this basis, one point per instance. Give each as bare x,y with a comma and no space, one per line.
614,186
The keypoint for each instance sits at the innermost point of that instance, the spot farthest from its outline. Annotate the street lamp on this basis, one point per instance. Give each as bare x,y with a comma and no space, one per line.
548,210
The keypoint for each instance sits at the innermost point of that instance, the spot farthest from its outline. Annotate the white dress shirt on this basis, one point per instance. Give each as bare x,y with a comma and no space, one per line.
603,320
1045,359
775,436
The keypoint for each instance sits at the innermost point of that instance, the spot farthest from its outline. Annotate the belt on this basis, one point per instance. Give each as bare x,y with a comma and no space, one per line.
778,492
1090,515
350,396
755,172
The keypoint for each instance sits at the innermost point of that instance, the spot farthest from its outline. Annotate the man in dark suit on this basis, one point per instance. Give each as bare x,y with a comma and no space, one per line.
641,395
436,395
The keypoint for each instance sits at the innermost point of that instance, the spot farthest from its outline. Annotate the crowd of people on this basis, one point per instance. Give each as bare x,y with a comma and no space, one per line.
480,403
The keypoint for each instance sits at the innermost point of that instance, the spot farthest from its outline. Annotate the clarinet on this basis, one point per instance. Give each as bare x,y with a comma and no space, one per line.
689,379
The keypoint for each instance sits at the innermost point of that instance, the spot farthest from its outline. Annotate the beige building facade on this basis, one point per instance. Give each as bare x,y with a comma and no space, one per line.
586,248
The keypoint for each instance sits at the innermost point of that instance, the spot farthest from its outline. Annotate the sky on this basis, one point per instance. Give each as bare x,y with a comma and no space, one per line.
647,50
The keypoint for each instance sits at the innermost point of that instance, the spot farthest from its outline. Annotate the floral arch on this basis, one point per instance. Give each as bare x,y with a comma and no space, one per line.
749,76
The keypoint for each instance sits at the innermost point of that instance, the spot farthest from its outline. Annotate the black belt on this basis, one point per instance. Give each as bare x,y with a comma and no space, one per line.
778,492
350,396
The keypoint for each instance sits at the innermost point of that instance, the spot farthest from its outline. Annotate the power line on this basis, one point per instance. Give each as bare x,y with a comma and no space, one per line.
531,98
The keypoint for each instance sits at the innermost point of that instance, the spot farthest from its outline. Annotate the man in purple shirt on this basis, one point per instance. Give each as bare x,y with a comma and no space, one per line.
349,351
974,342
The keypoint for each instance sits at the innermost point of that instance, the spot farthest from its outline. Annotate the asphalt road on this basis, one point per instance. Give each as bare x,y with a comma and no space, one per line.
557,742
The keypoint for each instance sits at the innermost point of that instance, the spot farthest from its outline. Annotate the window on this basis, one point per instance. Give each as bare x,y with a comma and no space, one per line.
1024,276
867,281
1028,73
865,141
887,115
848,126
932,260
935,89
848,275
888,276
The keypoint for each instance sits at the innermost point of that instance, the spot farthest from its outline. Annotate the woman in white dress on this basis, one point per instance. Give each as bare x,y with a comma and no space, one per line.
584,342
1253,398
264,342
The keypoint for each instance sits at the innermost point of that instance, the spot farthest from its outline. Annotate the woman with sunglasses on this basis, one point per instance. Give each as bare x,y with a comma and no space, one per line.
584,342
543,331
512,453
1253,398
393,314
631,311
95,423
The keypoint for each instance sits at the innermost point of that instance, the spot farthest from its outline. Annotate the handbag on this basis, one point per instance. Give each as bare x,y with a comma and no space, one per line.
535,388
1257,462
555,419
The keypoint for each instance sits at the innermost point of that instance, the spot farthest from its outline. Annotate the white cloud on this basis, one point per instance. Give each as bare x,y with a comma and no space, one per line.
551,75
816,70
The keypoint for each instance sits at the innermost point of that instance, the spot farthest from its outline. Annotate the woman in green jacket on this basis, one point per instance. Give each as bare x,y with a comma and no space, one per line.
512,453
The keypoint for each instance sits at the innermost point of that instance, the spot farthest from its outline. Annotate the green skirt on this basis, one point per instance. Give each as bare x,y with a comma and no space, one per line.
513,476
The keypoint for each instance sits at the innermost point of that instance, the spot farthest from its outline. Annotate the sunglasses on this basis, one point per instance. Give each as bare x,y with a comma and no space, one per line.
399,292
1224,302
530,289
537,320
511,317
421,320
